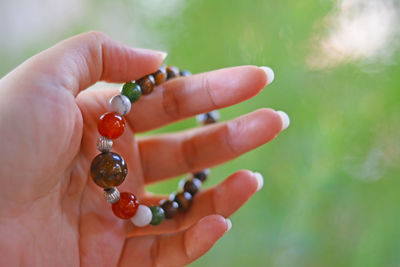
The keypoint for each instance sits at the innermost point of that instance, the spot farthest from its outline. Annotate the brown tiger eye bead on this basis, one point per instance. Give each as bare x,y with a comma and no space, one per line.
146,84
172,72
202,175
192,186
184,200
160,76
170,208
108,169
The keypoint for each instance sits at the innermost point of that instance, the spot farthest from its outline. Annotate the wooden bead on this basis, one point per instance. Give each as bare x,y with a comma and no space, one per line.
192,186
184,200
111,125
160,76
126,207
172,72
132,91
201,175
146,84
108,169
170,208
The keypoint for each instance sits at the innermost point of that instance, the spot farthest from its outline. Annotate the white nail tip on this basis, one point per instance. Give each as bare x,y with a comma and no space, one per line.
270,74
163,55
285,119
260,180
229,224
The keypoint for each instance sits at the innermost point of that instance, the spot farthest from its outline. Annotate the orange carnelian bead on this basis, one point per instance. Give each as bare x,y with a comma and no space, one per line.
111,125
126,207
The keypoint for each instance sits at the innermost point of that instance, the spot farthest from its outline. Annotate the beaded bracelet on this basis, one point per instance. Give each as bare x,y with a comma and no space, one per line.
108,169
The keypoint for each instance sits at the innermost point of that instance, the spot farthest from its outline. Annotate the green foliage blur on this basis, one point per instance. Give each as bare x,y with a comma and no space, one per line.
331,180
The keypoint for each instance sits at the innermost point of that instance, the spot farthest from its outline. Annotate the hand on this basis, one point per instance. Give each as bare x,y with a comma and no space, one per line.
52,213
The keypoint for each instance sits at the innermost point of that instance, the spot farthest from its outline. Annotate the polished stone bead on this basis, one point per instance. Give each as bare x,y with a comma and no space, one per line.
126,207
172,72
160,76
142,217
192,186
158,215
132,91
185,73
146,84
184,200
170,208
111,125
201,175
208,118
120,104
108,169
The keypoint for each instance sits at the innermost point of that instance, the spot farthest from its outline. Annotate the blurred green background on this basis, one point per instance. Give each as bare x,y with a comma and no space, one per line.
332,186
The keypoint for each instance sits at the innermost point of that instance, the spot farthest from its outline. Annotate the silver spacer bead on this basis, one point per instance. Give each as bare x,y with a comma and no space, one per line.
208,118
104,144
111,195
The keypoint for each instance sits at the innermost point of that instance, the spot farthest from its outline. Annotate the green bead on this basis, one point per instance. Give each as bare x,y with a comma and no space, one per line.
158,215
132,91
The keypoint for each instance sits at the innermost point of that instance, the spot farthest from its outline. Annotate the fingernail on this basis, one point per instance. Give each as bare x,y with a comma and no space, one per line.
285,119
229,224
270,74
163,54
260,180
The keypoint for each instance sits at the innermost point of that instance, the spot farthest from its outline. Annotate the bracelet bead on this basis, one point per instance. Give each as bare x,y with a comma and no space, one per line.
184,200
111,195
170,208
158,215
146,84
126,207
160,76
108,169
185,73
111,125
192,186
132,91
120,104
201,175
142,217
172,72
104,144
208,118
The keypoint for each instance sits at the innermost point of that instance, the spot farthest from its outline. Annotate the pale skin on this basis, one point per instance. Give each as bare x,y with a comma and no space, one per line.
52,213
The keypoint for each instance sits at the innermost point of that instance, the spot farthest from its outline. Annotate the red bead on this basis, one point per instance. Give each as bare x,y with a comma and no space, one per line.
126,207
111,125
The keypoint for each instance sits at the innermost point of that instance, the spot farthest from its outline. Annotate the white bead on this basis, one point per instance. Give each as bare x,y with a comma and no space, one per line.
120,104
142,217
202,118
104,144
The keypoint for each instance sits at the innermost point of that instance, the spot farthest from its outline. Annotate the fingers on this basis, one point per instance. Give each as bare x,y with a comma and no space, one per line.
178,249
174,154
224,199
184,97
80,61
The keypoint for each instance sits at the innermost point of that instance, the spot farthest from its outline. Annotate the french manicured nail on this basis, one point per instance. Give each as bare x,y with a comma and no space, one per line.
260,180
163,54
229,224
285,119
270,74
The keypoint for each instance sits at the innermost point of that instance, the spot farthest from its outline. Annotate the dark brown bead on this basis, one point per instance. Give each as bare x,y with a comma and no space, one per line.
191,187
160,76
185,73
170,208
108,169
209,118
146,84
184,200
172,72
202,175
